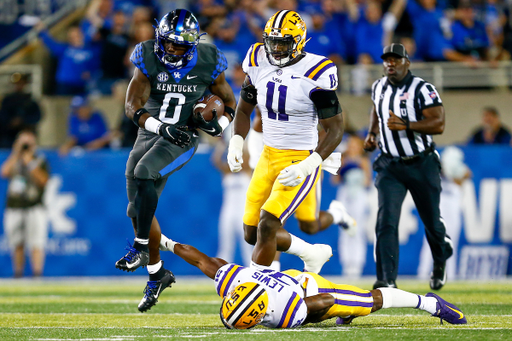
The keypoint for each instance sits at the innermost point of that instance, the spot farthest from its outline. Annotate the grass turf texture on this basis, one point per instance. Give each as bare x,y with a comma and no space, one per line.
89,309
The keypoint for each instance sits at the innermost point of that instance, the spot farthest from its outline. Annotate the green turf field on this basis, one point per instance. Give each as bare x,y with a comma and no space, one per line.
106,309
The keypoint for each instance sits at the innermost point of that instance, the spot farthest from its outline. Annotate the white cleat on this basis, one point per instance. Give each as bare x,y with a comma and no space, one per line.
346,222
316,256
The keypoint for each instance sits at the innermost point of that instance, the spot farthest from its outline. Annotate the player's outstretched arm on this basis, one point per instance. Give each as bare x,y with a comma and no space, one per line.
208,265
242,124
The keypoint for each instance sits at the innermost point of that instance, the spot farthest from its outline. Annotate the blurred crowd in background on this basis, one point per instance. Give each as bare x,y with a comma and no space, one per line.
96,52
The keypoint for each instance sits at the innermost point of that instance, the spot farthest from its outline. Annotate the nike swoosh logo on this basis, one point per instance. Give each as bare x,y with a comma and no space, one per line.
191,77
212,130
458,312
295,77
295,161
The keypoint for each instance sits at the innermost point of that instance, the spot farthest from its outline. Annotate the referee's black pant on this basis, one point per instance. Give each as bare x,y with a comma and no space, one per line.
420,176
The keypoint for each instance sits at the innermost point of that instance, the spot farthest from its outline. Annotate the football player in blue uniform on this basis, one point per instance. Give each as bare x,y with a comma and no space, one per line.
172,73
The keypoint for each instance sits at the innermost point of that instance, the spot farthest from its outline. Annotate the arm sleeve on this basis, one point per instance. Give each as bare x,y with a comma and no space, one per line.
137,58
326,103
222,64
54,47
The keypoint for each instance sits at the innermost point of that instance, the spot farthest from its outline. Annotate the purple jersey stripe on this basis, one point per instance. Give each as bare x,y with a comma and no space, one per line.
310,71
354,303
286,309
250,55
345,292
306,186
256,55
230,280
322,70
223,278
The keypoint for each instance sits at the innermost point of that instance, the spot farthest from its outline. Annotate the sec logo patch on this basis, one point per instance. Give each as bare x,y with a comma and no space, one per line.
162,77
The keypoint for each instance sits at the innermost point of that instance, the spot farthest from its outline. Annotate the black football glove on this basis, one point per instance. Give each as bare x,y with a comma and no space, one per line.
175,134
212,127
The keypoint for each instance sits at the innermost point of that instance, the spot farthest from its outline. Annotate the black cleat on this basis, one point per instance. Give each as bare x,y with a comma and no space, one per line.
384,284
438,276
154,289
133,259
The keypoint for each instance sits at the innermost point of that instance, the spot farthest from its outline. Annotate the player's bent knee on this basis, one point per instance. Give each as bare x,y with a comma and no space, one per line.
250,234
142,172
309,227
131,212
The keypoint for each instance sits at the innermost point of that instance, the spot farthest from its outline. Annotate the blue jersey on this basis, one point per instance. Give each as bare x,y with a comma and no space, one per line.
175,91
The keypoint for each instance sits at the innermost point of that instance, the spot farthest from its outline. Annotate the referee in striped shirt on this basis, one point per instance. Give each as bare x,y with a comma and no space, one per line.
406,112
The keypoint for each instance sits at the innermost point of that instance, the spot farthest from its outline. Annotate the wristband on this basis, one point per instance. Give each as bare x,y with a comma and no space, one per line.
153,125
230,111
137,114
224,122
311,162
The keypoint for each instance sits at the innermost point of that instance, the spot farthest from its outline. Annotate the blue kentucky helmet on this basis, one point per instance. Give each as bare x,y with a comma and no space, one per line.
179,27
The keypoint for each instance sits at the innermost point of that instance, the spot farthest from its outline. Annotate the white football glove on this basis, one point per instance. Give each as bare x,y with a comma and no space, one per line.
293,175
235,153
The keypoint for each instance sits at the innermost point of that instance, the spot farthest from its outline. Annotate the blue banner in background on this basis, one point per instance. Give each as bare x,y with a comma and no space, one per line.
87,201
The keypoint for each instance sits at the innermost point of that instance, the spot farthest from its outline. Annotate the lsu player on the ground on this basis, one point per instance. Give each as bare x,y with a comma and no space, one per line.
172,72
292,298
295,91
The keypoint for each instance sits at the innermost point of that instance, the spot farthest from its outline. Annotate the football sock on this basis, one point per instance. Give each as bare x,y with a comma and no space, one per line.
337,216
396,298
276,265
141,244
153,268
428,304
259,266
142,241
157,275
146,201
297,247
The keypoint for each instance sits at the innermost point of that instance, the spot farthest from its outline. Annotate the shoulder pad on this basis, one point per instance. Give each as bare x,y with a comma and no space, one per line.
319,69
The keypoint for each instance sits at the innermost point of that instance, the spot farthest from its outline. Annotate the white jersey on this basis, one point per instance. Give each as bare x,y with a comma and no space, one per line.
286,306
289,116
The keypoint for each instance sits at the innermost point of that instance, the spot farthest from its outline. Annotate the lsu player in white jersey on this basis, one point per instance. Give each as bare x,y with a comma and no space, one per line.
294,91
292,298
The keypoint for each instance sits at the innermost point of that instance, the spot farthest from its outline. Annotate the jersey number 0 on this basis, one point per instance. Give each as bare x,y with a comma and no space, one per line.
171,101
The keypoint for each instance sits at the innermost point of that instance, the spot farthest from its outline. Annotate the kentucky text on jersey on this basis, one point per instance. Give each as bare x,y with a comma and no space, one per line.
176,87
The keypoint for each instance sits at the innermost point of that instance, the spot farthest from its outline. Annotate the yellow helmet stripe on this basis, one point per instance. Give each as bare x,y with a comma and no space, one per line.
228,278
254,54
245,304
290,311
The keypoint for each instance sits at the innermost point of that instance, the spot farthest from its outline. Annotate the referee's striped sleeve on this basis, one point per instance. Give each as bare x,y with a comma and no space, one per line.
429,96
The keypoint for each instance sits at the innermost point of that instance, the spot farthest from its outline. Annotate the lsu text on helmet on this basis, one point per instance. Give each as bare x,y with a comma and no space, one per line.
244,307
179,27
284,37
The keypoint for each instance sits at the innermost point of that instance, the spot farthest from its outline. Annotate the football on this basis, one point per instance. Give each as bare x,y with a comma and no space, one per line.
208,106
